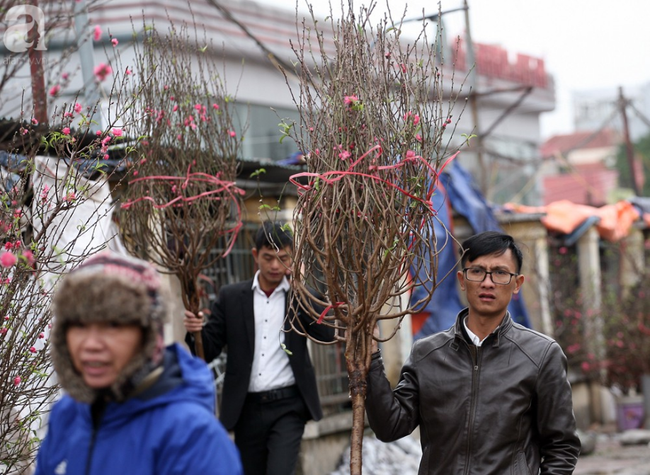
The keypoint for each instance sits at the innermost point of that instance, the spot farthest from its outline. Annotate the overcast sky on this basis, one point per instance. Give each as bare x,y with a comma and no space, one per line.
586,44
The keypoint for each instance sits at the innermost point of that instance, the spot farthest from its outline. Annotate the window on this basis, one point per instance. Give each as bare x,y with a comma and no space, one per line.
262,137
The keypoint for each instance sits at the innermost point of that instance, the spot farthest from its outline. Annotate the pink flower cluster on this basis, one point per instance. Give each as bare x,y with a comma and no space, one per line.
413,117
350,100
11,253
102,71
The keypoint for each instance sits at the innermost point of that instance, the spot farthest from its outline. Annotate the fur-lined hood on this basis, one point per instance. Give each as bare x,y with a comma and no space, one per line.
111,288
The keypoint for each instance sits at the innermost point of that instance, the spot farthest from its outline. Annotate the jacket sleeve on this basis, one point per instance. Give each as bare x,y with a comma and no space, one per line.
392,414
200,445
214,330
559,441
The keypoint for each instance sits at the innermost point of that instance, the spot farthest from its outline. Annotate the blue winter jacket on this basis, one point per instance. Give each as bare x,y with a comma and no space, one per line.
170,428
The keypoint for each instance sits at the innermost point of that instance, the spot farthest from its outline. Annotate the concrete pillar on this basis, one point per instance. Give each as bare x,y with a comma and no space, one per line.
541,258
590,290
531,235
632,264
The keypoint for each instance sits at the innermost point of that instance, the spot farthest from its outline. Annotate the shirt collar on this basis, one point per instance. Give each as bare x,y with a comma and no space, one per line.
284,285
475,339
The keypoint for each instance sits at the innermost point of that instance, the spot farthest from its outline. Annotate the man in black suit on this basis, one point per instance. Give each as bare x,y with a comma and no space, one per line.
269,391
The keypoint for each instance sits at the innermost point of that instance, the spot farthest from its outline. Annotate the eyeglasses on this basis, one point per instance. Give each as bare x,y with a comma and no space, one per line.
477,274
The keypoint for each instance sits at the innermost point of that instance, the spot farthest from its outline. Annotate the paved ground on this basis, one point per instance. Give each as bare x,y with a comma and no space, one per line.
612,458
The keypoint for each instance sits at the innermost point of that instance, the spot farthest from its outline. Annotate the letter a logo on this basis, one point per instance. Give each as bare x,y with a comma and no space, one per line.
16,36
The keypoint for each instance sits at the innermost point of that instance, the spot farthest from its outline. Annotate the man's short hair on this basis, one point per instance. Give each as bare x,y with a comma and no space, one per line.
490,242
273,234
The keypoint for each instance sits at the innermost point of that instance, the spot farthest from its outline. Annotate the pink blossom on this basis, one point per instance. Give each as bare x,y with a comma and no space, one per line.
66,130
416,118
410,155
573,348
70,197
77,107
117,132
29,257
344,155
102,70
585,366
127,71
106,156
215,106
350,100
232,133
8,246
3,331
65,76
34,121
115,42
7,259
41,335
97,33
98,133
175,108
54,90
32,349
16,380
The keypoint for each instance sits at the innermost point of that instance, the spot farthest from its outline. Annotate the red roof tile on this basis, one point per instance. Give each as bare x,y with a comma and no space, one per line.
579,140
587,184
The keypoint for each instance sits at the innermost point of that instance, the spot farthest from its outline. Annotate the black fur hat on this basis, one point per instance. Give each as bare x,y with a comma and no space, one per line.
109,287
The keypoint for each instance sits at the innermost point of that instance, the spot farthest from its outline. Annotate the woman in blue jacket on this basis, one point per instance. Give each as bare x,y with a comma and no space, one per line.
132,406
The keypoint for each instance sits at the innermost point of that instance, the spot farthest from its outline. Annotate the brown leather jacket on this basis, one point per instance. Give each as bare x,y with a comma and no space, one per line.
502,408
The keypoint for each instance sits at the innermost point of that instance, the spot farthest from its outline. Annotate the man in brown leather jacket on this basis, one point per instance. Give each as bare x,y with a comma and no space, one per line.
490,396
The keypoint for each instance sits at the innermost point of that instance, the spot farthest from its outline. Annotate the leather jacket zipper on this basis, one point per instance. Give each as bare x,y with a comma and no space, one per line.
474,352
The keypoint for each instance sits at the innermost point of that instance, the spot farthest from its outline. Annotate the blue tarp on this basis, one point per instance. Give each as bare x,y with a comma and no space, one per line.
445,302
465,198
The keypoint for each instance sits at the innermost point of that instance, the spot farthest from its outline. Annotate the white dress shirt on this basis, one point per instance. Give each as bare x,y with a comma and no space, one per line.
475,339
271,368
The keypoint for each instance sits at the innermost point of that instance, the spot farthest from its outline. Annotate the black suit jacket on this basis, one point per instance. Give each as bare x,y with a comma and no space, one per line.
232,323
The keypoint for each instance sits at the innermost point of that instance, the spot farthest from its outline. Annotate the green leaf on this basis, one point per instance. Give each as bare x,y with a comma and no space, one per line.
286,350
257,172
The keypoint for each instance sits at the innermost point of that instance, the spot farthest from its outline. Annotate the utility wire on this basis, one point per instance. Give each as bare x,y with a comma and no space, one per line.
278,63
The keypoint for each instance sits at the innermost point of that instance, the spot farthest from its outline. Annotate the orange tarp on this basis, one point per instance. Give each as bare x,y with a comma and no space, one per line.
564,216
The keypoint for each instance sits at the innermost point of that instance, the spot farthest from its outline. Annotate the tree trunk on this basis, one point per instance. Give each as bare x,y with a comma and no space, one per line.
357,373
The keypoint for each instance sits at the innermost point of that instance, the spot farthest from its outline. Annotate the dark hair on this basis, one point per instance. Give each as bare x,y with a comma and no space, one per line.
273,234
490,242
